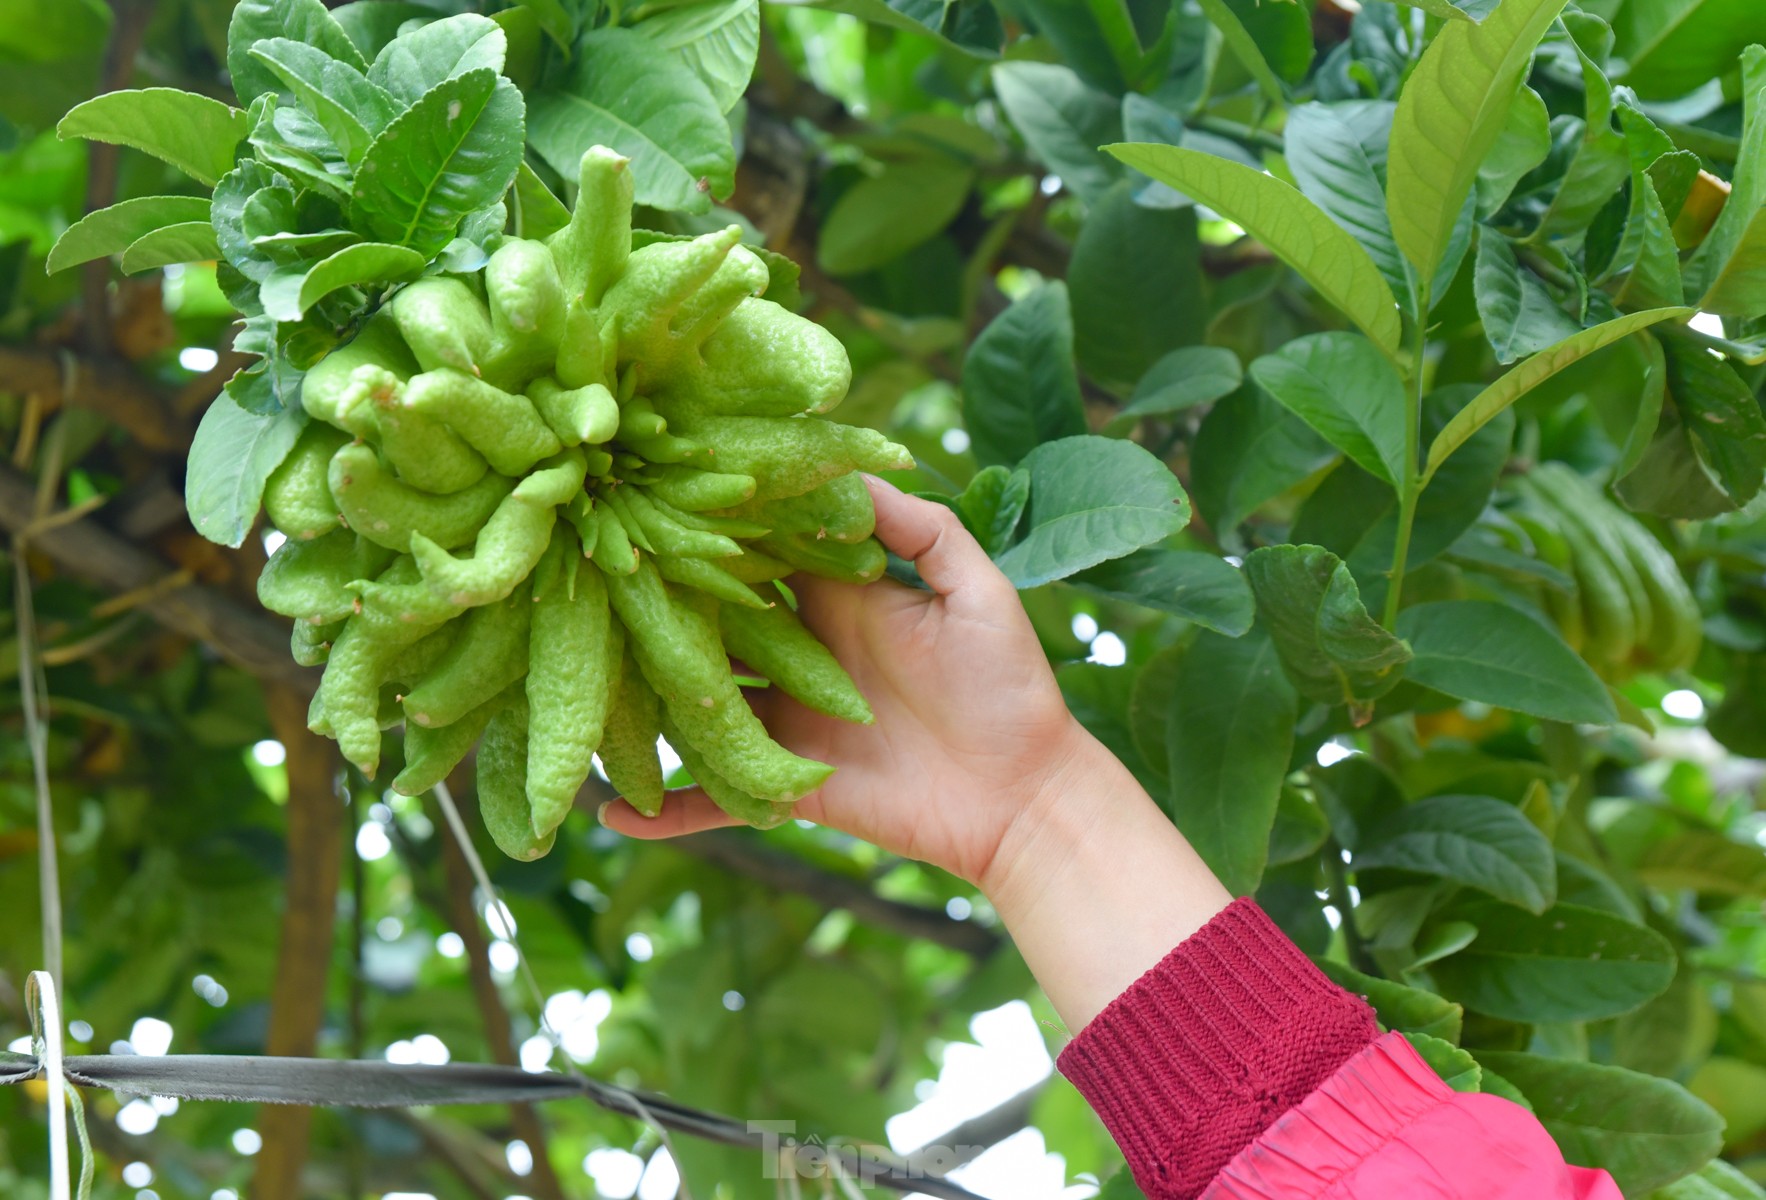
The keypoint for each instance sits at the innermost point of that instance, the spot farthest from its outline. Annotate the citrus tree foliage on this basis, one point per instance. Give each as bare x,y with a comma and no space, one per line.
1382,380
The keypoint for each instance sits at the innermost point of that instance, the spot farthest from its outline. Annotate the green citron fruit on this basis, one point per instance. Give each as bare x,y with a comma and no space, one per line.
533,506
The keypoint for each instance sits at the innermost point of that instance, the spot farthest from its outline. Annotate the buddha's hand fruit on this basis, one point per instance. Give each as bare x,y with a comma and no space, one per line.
545,505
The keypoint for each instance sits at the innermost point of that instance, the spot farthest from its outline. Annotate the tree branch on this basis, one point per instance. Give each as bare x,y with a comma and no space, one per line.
968,1141
743,854
250,640
110,387
315,863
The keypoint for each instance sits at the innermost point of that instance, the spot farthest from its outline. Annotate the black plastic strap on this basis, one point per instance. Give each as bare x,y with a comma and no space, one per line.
334,1083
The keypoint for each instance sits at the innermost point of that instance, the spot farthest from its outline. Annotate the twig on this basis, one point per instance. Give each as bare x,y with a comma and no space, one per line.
250,640
108,387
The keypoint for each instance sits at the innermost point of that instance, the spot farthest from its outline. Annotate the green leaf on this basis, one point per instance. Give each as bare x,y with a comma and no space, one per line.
453,152
193,133
1332,650
234,451
1450,114
113,230
371,24
1520,317
718,40
537,212
1342,386
1644,1131
1458,1069
1647,251
289,292
628,93
1671,47
1197,586
1716,1180
1229,733
1671,1032
1092,499
1020,388
1722,417
190,241
1188,376
1567,964
1534,371
1399,1006
346,104
1355,515
1703,860
1710,263
1293,228
1136,286
1475,841
415,63
1225,17
305,21
1064,121
1522,144
1335,168
883,216
992,505
1484,651
1248,451
965,24
1671,478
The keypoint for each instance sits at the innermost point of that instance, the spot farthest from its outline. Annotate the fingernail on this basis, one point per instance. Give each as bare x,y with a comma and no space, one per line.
601,812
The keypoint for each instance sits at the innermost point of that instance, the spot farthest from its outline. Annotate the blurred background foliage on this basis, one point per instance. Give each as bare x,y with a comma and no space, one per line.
933,165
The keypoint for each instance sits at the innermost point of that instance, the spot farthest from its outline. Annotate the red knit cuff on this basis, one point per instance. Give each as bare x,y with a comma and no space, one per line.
1202,1053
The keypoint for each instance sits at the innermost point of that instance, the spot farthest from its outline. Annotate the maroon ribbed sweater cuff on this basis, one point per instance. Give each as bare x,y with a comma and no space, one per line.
1202,1053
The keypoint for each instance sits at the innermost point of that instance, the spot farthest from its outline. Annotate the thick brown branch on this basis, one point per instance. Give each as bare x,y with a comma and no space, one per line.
109,387
315,862
744,854
524,1118
250,640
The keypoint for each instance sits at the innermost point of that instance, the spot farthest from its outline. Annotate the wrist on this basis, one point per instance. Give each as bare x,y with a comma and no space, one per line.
1095,883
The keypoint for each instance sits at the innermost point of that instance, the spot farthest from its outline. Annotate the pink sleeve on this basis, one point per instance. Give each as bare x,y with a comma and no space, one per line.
1234,1070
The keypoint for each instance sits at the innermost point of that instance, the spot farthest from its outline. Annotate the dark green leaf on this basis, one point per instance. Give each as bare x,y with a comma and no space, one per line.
1716,1180
1643,1131
113,230
414,63
234,452
1567,964
1293,228
1136,286
305,21
1671,47
1020,388
1520,317
350,108
1191,584
1355,514
1399,1006
1522,144
1338,171
1672,479
1248,451
288,293
1722,416
1092,499
453,152
884,216
1188,376
992,505
1300,828
1064,122
194,133
1472,840
191,241
1342,386
627,92
1484,651
1331,649
1229,732
371,24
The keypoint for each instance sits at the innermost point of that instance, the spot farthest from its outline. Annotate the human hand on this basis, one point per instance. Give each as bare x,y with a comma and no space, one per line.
972,734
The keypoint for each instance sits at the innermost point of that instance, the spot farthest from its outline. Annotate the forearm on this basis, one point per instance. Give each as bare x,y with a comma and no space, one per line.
1096,885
